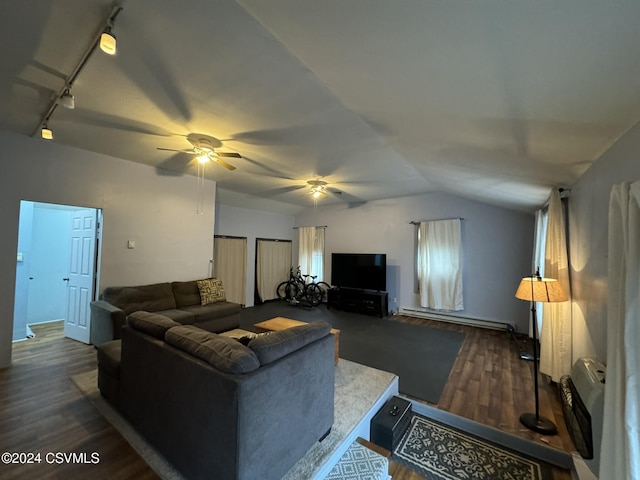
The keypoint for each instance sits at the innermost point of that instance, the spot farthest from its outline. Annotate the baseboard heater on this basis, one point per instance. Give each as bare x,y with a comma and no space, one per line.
474,322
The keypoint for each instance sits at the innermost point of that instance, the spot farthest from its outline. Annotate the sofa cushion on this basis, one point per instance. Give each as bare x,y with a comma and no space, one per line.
270,348
183,317
211,290
152,324
223,353
109,354
213,311
186,293
150,298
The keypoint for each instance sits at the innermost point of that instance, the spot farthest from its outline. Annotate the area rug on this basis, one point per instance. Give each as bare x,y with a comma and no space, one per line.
357,389
421,356
87,383
439,452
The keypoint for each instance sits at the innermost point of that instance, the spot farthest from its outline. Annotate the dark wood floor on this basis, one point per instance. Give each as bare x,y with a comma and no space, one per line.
490,384
41,411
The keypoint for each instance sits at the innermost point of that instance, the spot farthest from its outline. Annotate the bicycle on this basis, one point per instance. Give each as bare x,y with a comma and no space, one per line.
298,288
324,288
290,289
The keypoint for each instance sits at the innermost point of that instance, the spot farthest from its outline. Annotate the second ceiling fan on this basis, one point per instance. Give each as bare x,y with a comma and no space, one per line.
204,149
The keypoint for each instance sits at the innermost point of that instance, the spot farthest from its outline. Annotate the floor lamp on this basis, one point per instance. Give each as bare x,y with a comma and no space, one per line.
538,289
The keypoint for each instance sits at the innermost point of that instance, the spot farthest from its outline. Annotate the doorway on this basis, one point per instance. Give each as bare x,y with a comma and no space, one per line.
56,270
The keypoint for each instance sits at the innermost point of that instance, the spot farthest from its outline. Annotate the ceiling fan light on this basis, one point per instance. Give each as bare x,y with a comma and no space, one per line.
46,132
108,42
67,100
202,159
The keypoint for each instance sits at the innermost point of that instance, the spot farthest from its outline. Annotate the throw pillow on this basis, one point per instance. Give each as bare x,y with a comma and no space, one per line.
211,291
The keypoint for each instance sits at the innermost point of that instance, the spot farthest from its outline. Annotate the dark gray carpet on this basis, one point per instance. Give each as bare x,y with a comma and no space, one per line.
422,357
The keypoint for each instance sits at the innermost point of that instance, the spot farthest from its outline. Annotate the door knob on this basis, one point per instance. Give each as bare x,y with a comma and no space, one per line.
65,279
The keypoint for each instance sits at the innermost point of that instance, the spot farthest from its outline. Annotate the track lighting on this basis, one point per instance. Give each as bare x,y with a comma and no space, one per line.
108,41
46,132
67,100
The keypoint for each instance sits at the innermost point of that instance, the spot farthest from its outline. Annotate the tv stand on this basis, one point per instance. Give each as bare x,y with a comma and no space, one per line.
368,302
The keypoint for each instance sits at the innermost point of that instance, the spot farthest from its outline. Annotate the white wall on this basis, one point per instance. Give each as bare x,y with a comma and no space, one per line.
245,222
497,248
157,211
588,222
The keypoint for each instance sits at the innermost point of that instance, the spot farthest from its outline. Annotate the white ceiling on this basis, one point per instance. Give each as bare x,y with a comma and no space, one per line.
497,101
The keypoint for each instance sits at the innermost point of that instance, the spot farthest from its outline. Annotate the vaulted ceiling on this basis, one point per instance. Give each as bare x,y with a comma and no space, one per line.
497,101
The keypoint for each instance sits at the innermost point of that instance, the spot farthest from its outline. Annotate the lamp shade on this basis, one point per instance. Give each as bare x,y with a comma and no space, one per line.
539,289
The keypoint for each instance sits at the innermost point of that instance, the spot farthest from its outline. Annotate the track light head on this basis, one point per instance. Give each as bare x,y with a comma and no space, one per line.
46,132
108,42
67,100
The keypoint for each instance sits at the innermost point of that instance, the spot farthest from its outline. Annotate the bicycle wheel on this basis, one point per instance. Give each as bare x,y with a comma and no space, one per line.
313,294
324,287
292,292
284,291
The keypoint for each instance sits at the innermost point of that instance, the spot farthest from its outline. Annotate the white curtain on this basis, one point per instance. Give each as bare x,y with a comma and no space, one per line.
620,450
440,264
306,242
539,244
273,262
311,251
555,337
230,262
317,268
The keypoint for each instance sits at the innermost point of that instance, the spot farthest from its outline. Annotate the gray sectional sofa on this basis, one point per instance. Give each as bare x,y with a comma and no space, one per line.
180,301
216,408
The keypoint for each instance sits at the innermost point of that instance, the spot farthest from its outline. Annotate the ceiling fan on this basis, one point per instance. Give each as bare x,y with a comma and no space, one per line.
204,149
319,189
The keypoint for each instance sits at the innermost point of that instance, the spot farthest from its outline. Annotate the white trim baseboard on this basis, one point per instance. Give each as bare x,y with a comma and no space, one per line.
474,322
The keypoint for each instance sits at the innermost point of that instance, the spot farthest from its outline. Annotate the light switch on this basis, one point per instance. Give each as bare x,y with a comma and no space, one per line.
131,244
19,256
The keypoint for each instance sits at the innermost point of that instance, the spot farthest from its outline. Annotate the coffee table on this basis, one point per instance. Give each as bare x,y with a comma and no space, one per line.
281,323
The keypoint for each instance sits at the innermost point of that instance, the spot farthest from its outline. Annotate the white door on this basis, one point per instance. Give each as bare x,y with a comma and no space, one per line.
81,274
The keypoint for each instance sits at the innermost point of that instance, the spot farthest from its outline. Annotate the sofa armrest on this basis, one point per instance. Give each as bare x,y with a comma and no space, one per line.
106,322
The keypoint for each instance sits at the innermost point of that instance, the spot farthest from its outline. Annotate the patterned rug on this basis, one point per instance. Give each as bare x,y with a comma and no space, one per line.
439,452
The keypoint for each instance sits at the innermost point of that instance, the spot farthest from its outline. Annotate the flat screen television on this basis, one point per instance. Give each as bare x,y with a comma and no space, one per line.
367,271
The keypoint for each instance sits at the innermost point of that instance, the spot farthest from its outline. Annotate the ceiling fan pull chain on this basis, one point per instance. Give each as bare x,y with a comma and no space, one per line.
200,190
